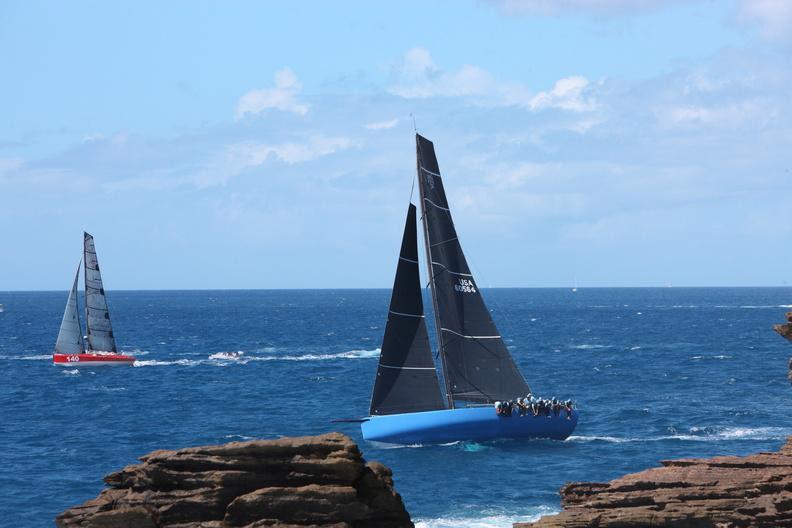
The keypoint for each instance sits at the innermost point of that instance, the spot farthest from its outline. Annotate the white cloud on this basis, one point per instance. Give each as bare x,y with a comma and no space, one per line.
737,114
567,94
282,97
418,77
232,160
774,18
382,125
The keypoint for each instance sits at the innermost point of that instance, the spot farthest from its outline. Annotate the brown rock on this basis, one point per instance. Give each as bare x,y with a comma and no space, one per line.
722,492
314,481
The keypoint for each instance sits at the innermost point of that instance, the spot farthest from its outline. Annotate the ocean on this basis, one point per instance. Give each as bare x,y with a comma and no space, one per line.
657,373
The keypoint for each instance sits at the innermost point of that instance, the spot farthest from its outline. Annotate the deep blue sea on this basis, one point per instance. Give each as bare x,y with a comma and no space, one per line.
657,374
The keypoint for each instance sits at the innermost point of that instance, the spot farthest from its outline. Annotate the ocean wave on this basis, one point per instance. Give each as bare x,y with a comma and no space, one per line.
37,357
239,357
590,347
719,356
698,434
160,363
351,354
486,520
72,372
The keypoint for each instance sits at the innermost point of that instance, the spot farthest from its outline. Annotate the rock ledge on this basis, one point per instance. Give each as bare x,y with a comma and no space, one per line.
312,481
721,492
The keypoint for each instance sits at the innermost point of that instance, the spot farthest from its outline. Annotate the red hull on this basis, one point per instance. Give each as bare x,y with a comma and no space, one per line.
91,360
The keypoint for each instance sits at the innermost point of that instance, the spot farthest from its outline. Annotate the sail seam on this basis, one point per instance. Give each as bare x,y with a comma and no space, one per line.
449,271
406,314
445,241
470,336
438,206
408,260
405,368
430,172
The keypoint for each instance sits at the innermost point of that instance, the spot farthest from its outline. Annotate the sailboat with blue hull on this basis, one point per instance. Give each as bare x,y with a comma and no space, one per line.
408,405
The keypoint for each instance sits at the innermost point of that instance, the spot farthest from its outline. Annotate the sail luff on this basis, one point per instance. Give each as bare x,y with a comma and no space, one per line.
97,316
70,339
406,376
478,366
430,273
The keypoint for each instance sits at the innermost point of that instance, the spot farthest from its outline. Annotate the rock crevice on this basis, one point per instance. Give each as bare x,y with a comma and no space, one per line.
319,481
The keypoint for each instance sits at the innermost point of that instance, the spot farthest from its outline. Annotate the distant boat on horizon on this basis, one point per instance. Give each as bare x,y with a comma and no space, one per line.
407,403
574,288
70,349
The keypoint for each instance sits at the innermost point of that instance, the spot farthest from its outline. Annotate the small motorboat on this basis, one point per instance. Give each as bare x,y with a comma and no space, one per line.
70,347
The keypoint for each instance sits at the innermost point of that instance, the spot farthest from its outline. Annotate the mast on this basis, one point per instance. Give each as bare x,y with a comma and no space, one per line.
435,310
97,316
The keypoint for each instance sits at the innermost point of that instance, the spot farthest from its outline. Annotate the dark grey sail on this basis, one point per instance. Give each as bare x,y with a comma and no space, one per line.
97,317
406,377
70,338
477,366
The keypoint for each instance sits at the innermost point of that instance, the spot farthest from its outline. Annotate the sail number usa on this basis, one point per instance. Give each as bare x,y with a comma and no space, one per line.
465,286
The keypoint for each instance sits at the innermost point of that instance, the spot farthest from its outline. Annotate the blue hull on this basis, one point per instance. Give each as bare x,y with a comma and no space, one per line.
470,423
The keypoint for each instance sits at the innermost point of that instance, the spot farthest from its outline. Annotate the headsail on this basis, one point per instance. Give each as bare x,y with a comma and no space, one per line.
478,367
70,338
406,377
97,317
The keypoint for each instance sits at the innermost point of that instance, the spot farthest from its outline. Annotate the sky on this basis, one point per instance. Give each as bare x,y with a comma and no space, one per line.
213,145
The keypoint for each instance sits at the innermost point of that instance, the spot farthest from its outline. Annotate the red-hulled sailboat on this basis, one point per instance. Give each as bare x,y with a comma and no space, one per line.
70,349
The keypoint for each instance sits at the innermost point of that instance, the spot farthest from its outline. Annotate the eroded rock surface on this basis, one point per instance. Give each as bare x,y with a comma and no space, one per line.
312,481
785,330
721,492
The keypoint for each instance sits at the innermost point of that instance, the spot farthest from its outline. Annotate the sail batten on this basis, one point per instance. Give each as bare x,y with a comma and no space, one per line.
97,316
70,338
406,377
477,365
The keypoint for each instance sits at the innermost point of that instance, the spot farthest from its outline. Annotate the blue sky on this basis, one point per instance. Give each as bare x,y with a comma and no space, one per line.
269,144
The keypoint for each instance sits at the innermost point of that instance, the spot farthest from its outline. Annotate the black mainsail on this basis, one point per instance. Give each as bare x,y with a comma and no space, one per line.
97,316
476,363
406,377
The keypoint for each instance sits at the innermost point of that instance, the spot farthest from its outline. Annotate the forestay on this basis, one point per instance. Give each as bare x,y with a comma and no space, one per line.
478,367
100,331
406,377
70,339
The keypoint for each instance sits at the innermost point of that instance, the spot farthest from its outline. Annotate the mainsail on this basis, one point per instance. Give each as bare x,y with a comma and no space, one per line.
70,339
477,366
97,317
406,377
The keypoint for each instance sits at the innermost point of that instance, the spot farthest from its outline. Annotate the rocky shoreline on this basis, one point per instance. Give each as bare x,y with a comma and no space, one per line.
312,481
785,330
726,491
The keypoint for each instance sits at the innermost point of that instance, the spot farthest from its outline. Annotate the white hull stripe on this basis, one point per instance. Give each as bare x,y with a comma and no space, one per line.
449,271
430,172
408,260
405,314
438,206
470,336
406,368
